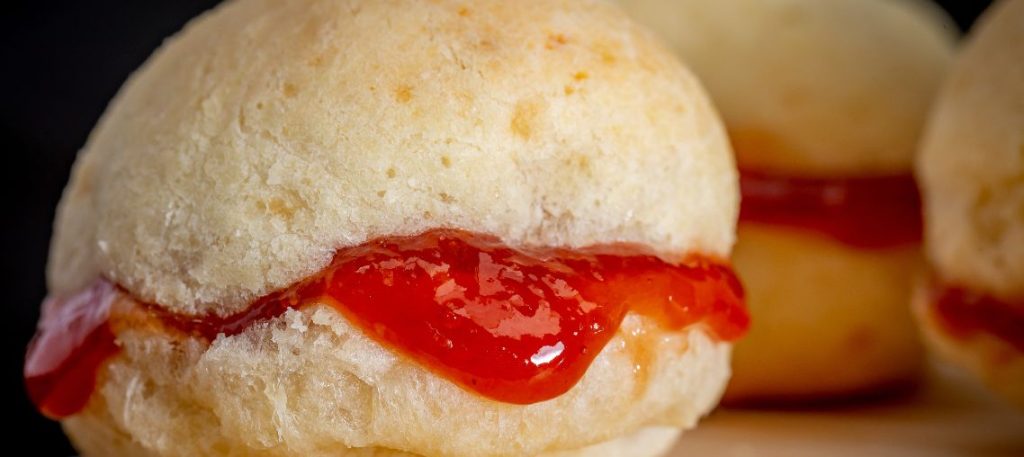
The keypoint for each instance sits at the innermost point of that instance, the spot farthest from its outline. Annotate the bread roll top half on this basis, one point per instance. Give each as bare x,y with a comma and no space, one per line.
819,88
972,161
267,135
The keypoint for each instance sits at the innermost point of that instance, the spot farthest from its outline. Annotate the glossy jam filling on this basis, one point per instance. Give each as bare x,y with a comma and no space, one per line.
866,212
965,313
73,339
515,325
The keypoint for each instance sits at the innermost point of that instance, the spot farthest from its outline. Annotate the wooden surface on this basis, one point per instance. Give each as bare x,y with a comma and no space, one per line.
948,416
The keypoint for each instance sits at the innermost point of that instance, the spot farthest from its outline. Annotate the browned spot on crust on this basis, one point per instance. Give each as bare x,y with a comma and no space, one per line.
555,40
607,51
608,57
284,206
280,208
524,119
580,161
290,90
403,93
580,76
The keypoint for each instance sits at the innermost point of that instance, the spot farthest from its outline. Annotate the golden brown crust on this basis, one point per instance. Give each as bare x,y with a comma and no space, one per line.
268,134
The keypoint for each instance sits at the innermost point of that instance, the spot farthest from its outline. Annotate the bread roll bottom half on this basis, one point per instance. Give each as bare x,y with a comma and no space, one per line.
442,343
831,320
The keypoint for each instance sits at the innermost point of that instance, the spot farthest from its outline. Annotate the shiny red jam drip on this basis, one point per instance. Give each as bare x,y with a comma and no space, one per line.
965,313
866,212
515,325
74,338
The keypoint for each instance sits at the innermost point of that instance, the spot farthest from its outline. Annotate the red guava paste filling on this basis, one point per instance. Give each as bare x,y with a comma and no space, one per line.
871,212
73,339
514,325
965,313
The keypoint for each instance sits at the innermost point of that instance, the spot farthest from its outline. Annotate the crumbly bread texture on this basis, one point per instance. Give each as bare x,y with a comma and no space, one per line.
971,167
832,321
310,384
813,87
268,134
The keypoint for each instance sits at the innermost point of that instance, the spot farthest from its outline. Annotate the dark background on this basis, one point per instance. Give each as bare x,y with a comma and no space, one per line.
63,61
